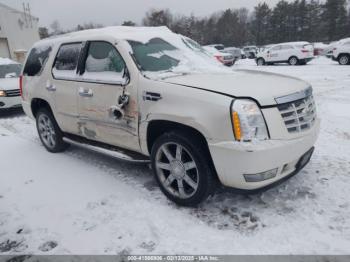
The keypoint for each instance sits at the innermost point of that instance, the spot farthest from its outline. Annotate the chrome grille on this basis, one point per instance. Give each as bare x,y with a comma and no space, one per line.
299,115
11,93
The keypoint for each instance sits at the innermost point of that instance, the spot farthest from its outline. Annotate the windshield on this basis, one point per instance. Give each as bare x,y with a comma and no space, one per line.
161,58
10,70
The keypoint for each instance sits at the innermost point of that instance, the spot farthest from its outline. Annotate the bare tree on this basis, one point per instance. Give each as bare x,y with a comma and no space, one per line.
56,28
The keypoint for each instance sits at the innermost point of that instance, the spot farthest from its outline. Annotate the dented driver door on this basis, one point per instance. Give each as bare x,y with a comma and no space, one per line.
103,86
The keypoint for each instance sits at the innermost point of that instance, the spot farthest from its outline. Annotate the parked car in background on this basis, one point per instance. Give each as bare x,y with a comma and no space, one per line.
329,50
341,52
250,51
293,53
145,94
219,47
320,49
236,52
10,96
243,56
223,57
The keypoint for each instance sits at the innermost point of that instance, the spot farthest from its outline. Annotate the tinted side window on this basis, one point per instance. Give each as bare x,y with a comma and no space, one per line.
36,61
68,56
66,62
286,47
103,63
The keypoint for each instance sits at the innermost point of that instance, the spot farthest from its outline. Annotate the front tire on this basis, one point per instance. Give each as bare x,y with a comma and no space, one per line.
49,132
293,61
182,168
344,59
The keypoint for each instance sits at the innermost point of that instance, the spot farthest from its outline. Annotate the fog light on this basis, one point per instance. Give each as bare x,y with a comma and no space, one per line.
261,176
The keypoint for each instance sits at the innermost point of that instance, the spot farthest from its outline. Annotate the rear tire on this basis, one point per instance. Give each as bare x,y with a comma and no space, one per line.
182,168
344,59
293,61
260,62
49,132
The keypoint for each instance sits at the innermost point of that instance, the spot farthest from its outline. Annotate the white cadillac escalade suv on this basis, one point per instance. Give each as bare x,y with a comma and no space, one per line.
148,94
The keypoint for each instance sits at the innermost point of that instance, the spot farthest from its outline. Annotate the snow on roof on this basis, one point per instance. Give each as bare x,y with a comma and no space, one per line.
7,61
294,43
344,40
140,34
320,45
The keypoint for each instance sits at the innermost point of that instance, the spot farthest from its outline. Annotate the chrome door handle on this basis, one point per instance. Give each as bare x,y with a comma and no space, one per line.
50,87
86,92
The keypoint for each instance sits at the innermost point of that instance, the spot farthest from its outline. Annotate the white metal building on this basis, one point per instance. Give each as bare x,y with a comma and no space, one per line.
18,32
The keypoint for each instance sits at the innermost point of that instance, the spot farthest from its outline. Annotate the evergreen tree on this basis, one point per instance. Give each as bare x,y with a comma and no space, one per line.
260,24
158,18
313,30
227,27
280,22
334,19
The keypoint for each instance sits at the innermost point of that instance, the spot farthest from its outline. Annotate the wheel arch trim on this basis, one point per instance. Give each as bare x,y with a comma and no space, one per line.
171,120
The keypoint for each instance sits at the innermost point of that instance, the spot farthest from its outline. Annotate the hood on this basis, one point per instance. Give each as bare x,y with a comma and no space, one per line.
9,83
261,86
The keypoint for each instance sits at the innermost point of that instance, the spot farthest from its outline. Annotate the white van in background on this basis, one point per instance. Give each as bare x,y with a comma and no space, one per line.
293,53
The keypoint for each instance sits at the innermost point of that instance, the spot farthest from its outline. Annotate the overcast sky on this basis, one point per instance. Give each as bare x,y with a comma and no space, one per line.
111,12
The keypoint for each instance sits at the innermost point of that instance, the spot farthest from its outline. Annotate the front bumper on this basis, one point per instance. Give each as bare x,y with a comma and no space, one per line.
10,102
233,160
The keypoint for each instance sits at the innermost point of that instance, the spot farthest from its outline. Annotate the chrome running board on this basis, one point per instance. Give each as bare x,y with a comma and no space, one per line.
112,152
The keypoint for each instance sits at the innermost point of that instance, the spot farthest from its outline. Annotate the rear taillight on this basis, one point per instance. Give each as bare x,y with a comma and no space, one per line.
304,51
220,58
21,85
334,49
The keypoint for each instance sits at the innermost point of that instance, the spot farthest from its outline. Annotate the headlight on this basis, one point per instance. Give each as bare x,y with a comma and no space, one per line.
248,121
2,93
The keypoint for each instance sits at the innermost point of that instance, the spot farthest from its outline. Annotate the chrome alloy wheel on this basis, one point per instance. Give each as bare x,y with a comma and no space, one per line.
293,61
177,170
47,131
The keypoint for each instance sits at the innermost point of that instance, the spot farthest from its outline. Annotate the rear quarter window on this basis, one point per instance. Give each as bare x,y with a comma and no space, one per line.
36,60
66,61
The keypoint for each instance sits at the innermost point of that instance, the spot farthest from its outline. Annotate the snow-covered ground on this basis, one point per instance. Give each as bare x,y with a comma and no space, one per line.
80,202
